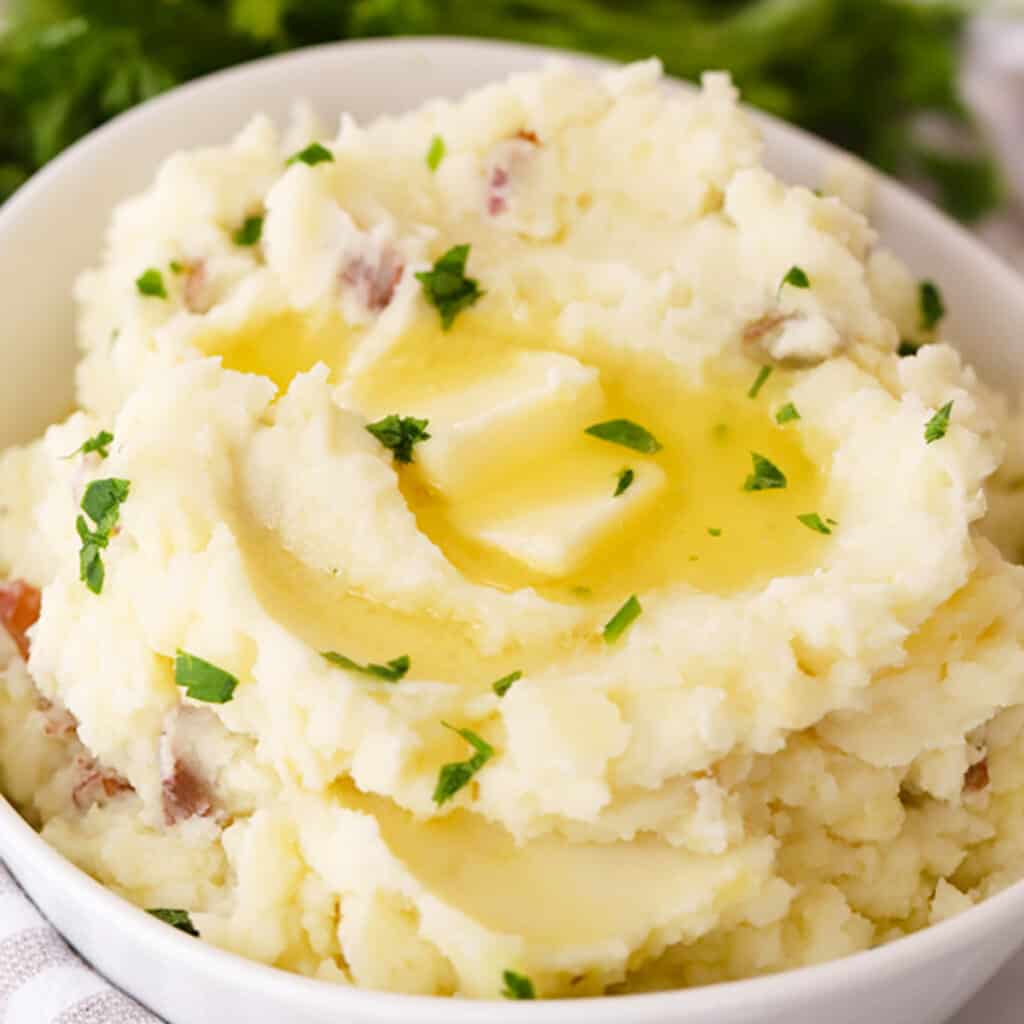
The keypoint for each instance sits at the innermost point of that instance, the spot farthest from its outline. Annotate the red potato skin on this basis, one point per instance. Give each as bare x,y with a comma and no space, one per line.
19,610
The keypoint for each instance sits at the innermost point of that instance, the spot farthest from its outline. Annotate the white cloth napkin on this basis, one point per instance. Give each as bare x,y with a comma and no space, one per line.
43,981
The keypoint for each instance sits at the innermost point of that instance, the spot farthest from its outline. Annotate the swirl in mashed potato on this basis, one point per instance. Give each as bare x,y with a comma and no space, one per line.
482,699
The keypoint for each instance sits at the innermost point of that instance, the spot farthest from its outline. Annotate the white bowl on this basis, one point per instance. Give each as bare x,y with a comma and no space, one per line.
53,228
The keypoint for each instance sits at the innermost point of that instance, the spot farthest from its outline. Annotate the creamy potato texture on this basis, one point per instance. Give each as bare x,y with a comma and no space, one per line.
799,739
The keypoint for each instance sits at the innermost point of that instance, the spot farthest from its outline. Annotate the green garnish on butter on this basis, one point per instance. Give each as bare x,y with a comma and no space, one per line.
313,154
390,672
935,429
766,475
814,522
250,232
203,680
517,986
151,284
98,443
176,919
763,374
907,348
502,685
932,307
400,434
627,433
436,152
446,287
625,481
786,414
102,504
714,531
456,774
622,620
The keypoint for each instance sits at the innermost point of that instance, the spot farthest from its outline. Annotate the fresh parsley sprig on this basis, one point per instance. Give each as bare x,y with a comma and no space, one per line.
98,443
102,504
456,774
179,919
446,286
400,434
390,672
627,433
203,680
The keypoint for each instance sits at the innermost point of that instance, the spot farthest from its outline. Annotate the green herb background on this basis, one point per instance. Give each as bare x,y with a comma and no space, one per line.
854,71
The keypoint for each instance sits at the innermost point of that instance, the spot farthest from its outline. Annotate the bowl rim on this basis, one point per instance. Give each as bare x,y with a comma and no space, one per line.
20,843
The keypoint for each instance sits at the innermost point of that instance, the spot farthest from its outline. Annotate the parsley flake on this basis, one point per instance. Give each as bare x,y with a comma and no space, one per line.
627,433
176,919
907,348
502,685
399,433
766,476
622,620
932,307
101,503
795,277
391,672
456,774
151,284
313,154
814,522
935,429
436,152
203,680
446,286
715,531
98,443
250,232
177,267
626,478
763,374
517,986
787,414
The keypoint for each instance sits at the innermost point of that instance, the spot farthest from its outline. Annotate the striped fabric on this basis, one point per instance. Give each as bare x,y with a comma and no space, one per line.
42,980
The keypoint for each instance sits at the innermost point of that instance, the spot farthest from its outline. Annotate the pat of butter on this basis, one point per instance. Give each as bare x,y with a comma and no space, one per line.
537,403
556,536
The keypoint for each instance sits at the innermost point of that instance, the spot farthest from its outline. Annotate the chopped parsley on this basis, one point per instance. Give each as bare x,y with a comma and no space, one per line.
766,476
151,284
312,155
622,620
763,374
446,286
935,429
626,478
176,919
787,414
177,267
250,232
102,504
795,277
627,433
501,686
436,152
202,680
399,433
456,774
517,986
98,443
715,531
908,348
391,672
932,307
814,522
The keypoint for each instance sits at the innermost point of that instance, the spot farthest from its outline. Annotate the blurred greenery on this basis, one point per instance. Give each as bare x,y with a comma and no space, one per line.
854,71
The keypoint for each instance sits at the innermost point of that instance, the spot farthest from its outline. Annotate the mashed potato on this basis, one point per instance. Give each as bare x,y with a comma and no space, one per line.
518,547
